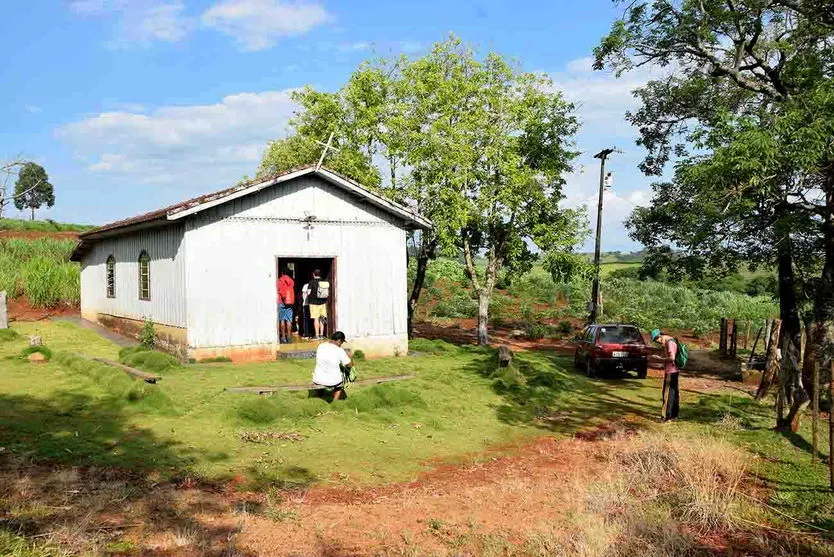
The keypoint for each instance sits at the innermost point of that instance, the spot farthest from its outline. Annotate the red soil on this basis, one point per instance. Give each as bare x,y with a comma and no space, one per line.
20,309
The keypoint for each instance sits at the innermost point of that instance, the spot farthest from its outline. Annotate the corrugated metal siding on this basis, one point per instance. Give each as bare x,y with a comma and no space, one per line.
231,264
299,197
167,303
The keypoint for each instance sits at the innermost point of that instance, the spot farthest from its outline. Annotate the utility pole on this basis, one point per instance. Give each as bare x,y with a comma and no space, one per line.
595,297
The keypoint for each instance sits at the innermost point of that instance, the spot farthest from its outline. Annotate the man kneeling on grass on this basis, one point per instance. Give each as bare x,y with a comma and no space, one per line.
330,359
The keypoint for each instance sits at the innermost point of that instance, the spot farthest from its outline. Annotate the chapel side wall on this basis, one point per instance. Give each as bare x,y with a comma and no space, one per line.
167,298
231,262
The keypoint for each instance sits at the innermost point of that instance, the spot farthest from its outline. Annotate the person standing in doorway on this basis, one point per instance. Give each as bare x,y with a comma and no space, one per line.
671,394
306,327
319,293
286,300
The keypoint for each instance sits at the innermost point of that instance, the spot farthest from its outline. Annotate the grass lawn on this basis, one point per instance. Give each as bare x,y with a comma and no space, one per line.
605,269
74,411
460,408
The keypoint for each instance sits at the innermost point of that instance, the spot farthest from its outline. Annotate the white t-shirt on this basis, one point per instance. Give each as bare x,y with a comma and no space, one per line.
305,294
328,358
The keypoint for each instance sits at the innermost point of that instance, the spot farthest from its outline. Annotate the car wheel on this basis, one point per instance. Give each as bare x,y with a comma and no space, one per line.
641,372
590,371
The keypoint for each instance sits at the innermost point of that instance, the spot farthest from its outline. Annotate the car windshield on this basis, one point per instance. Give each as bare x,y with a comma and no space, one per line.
619,335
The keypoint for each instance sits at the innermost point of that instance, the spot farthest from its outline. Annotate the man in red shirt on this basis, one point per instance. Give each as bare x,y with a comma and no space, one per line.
286,300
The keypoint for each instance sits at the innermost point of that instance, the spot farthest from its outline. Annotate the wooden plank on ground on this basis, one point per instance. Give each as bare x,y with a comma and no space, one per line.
143,375
312,386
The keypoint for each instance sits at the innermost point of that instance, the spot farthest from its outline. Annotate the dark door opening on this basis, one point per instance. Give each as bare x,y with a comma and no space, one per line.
301,270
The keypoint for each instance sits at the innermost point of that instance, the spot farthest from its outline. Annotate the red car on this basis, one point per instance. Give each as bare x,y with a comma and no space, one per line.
611,347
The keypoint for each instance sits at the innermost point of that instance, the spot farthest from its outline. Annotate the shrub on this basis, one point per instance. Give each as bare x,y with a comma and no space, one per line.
152,361
358,355
458,306
26,352
39,269
534,331
565,327
8,334
147,336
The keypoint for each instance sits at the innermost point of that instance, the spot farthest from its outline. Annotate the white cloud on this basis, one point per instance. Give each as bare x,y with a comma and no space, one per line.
140,21
602,100
359,46
259,24
201,145
95,7
33,109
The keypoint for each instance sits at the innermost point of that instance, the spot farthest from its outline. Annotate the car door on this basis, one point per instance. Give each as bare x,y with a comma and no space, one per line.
585,343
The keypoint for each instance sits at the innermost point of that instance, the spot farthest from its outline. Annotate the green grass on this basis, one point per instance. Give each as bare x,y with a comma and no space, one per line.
42,226
39,269
605,269
798,486
76,412
72,410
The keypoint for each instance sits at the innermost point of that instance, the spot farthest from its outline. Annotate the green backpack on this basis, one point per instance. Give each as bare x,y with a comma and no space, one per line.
682,356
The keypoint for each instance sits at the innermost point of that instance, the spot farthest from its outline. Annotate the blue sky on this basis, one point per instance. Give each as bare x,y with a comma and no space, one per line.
131,105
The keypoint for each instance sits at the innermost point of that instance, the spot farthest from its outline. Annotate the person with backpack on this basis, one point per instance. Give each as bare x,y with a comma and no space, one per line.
319,293
286,300
333,366
674,358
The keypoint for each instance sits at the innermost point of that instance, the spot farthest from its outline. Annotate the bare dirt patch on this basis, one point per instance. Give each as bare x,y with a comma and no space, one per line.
465,333
21,309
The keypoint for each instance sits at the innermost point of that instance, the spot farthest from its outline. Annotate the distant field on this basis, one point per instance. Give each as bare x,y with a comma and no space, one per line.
19,225
605,269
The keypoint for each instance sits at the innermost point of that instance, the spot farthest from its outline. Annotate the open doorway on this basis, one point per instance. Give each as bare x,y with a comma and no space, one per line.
301,270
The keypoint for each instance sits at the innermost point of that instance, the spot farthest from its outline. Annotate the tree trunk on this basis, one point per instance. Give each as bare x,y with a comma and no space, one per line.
771,365
831,429
33,213
790,384
484,297
428,249
824,302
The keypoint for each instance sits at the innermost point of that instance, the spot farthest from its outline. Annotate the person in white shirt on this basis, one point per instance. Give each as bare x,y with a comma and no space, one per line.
330,359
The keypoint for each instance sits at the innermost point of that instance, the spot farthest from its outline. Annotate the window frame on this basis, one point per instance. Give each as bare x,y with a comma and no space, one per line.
110,276
144,259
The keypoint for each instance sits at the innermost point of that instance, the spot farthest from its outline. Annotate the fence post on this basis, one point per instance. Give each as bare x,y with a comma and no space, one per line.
831,429
733,338
755,343
722,341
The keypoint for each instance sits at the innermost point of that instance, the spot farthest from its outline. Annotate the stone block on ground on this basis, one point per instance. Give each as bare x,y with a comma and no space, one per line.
4,312
35,341
37,358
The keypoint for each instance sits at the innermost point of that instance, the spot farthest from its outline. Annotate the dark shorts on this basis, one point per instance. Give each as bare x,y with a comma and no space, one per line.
284,313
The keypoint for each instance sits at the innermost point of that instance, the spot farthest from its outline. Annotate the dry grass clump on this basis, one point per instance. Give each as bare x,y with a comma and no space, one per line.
654,496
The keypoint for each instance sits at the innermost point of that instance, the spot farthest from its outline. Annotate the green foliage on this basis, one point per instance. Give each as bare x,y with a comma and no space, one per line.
358,355
565,266
147,335
39,269
26,352
460,305
32,189
8,334
152,361
536,286
47,225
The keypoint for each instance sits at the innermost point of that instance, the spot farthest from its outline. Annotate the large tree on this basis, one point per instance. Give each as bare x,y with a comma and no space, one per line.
744,71
474,144
32,189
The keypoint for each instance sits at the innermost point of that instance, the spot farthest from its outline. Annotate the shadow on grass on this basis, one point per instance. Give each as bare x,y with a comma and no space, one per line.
542,388
73,468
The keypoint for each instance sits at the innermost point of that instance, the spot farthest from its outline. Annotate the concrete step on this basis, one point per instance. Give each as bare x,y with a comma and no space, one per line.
296,354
